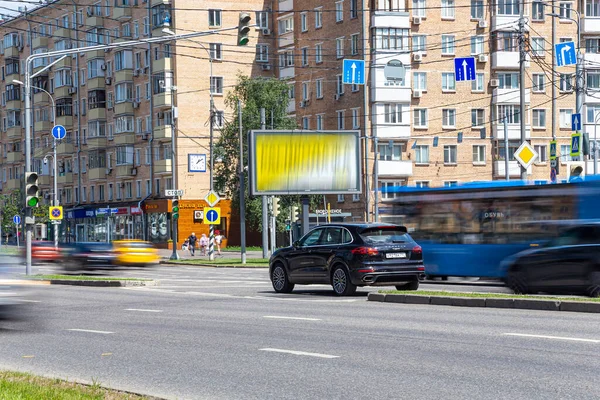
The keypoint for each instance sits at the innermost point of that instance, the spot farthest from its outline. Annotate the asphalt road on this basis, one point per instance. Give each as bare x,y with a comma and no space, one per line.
224,334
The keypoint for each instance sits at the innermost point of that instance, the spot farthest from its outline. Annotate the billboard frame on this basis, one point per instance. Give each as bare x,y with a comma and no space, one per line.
252,162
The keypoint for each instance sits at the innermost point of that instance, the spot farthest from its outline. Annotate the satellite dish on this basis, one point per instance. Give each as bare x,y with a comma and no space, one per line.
394,71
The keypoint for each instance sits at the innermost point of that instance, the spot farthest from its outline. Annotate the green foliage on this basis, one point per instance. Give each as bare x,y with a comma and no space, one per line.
10,205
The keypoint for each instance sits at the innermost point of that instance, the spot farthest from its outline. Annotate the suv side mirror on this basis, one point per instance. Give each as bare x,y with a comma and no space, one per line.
296,244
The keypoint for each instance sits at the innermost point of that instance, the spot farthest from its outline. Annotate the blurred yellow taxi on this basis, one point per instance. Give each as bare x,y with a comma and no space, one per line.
135,253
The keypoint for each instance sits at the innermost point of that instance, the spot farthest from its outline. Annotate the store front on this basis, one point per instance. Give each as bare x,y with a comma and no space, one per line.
101,224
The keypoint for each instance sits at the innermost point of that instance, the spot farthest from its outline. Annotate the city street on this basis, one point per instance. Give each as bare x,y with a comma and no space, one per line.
224,334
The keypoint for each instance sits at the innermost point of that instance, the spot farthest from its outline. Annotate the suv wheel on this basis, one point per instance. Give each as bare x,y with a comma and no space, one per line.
517,281
280,280
594,287
340,281
414,285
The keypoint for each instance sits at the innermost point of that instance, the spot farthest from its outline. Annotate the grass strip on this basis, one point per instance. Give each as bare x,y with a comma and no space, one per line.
16,385
239,248
489,295
86,278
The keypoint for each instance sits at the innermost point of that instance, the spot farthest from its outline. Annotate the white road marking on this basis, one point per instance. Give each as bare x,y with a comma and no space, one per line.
142,309
30,301
294,318
90,331
554,337
300,353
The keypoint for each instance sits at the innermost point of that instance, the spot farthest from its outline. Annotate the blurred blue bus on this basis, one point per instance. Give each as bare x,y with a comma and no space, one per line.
468,230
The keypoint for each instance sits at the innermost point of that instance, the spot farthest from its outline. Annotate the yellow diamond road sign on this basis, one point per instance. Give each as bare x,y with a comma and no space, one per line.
526,154
212,198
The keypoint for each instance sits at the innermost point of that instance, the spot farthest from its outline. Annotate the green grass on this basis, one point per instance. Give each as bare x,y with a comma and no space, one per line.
488,295
9,250
238,248
16,385
85,278
236,262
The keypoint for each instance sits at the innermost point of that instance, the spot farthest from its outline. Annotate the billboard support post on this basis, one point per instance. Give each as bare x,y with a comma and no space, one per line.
305,216
265,207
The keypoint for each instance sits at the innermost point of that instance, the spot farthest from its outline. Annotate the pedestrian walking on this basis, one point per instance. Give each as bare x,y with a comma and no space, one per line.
192,243
203,243
218,240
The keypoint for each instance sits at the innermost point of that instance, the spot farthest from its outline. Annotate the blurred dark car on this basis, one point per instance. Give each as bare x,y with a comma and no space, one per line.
569,263
44,252
10,294
349,255
89,256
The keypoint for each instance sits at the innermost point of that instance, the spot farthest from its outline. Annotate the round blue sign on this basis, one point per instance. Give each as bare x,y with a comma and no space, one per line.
59,132
17,219
212,216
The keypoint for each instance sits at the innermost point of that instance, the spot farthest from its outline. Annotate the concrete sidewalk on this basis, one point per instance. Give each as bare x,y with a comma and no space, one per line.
185,255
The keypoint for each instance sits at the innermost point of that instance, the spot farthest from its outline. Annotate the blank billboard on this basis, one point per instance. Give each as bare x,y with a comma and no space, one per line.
304,162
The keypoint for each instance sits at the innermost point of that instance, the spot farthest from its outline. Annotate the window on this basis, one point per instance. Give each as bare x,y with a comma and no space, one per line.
124,155
507,7
565,153
303,22
418,8
219,119
448,118
355,118
305,123
448,82
390,151
148,190
592,8
339,47
476,9
96,99
478,154
64,107
542,156
449,154
126,29
319,53
391,39
319,122
95,68
447,44
339,11
124,92
593,80
477,84
304,56
286,25
565,10
422,154
353,8
539,118
477,118
214,18
511,112
262,19
448,9
340,119
354,44
420,81
566,82
216,84
592,45
96,129
138,189
340,85
393,113
539,83
123,60
388,189
305,93
262,52
419,43
537,11
476,45
565,118
593,110
318,17
537,46
319,88
62,78
508,80
124,123
216,53
420,118
505,41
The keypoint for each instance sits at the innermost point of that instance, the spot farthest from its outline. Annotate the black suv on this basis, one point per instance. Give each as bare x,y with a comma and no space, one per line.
349,255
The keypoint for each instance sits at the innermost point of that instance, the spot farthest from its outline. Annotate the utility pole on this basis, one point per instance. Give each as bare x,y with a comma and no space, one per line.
376,178
242,190
522,59
553,84
265,206
506,161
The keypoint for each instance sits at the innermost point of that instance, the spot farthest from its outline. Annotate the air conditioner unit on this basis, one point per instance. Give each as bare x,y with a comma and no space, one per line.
266,31
72,90
482,23
303,104
266,67
108,80
103,67
417,57
417,94
134,171
483,58
494,82
136,104
416,20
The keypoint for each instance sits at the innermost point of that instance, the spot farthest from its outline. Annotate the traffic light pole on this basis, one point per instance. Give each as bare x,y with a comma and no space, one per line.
174,219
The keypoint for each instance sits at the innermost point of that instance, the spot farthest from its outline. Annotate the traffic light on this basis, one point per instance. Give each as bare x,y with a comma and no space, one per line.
295,214
175,209
243,29
276,206
32,189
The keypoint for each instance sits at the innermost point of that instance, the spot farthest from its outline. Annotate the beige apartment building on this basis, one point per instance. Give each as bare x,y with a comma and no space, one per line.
430,129
121,108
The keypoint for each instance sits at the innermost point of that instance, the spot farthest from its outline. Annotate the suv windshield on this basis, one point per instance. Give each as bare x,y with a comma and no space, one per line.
379,235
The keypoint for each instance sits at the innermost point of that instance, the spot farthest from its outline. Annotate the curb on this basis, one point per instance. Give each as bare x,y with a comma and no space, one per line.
100,283
518,303
212,265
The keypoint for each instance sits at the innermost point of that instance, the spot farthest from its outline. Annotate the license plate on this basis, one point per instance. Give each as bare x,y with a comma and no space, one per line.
395,255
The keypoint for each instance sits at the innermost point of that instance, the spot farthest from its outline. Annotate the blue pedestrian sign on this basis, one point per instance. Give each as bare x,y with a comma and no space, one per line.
576,122
17,219
59,132
464,69
354,72
565,54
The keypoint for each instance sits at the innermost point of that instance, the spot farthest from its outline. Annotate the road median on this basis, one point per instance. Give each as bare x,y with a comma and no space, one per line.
489,300
220,263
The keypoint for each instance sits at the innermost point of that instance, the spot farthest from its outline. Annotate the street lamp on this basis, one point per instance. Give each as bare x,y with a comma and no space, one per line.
54,167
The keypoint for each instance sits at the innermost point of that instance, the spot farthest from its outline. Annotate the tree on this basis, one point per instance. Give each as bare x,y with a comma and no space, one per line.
11,205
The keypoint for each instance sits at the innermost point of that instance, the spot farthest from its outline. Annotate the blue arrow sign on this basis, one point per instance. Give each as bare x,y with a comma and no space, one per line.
576,122
17,219
212,216
565,54
354,72
59,132
464,69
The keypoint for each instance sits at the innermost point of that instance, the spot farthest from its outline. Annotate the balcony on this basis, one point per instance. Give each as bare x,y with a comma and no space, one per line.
96,142
125,171
286,73
162,64
96,173
45,180
62,33
64,91
64,63
514,169
65,179
506,23
122,12
394,168
40,152
514,131
94,20
96,83
11,52
14,132
42,126
124,75
11,78
40,97
159,2
390,94
291,108
509,96
387,131
13,105
162,166
13,184
66,121
286,5
95,54
162,99
65,148
390,19
96,113
40,41
590,25
163,132
125,107
13,157
505,59
124,138
287,39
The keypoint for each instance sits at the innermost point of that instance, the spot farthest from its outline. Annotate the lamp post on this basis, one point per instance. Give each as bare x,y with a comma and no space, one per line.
54,167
